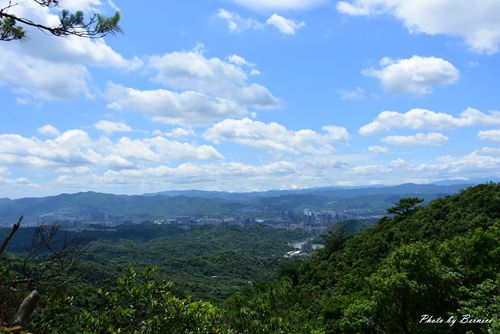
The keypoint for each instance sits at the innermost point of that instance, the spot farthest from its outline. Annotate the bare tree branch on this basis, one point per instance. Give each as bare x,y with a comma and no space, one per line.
15,227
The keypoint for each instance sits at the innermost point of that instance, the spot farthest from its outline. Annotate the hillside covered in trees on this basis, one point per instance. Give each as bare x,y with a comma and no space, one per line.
439,261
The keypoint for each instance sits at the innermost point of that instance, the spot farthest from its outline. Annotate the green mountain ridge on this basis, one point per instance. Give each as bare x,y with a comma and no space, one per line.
81,206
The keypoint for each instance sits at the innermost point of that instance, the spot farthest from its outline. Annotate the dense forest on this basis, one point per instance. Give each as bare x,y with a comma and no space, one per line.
421,269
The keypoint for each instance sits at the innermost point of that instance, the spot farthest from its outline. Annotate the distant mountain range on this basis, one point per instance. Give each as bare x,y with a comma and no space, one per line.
169,204
341,192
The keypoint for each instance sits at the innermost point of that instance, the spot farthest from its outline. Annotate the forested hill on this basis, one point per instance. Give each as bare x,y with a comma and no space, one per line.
442,260
420,266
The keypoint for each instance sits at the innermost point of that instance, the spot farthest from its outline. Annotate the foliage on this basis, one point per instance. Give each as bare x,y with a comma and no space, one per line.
138,304
70,23
208,261
405,206
440,260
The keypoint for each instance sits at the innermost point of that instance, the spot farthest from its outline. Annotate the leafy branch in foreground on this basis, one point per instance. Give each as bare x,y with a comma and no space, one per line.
139,303
96,26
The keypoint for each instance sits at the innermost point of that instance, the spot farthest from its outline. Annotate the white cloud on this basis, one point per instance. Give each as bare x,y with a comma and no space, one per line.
489,151
420,139
190,173
85,5
378,149
4,171
176,133
192,70
275,137
479,163
74,151
355,94
210,176
43,79
239,61
79,170
181,132
236,23
165,106
420,119
476,21
17,182
254,72
49,130
266,5
69,148
489,135
52,68
112,127
183,151
416,75
336,133
284,25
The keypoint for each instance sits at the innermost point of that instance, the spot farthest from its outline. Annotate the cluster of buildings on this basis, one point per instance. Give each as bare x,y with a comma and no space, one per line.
307,219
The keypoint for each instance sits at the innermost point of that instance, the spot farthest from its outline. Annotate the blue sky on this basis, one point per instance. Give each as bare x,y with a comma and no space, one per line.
243,95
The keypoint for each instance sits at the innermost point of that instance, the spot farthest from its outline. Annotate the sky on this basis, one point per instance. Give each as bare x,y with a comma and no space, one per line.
249,95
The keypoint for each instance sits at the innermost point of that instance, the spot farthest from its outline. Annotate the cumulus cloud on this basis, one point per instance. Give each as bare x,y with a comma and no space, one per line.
416,75
420,139
209,176
236,23
238,60
265,5
73,150
315,171
489,135
192,70
284,25
189,173
72,147
112,127
479,163
165,106
54,68
276,137
183,151
43,79
49,130
475,21
336,133
20,181
422,119
378,149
